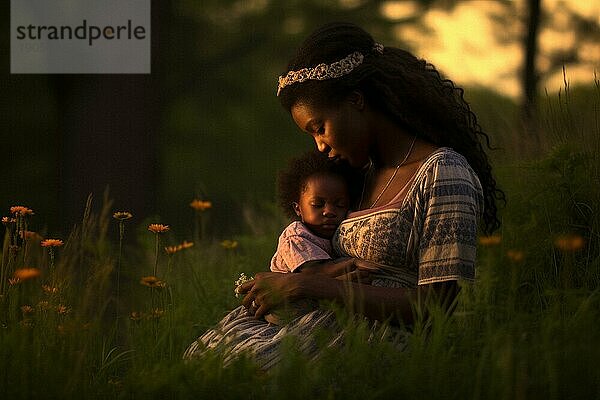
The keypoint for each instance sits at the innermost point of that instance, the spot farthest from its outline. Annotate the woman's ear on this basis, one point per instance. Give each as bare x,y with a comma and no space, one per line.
297,209
357,99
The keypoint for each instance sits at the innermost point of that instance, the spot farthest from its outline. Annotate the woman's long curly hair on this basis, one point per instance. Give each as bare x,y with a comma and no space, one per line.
408,90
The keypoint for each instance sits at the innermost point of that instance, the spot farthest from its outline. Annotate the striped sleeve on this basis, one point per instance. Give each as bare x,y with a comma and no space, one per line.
452,204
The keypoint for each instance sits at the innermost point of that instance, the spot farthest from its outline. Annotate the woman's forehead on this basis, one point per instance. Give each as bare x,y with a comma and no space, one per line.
302,113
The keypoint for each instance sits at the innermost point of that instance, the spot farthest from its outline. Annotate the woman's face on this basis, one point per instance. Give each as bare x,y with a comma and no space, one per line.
323,204
340,132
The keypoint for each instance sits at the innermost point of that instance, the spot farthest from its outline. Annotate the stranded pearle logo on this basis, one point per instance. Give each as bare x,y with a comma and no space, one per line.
82,36
90,33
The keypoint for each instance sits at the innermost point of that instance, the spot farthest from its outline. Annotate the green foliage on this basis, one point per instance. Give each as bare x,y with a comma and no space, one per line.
527,328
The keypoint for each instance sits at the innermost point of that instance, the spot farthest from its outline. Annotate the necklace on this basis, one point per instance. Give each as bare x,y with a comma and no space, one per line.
389,182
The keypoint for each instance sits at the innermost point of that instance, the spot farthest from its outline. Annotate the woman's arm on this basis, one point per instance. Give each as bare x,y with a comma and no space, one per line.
341,268
269,290
382,303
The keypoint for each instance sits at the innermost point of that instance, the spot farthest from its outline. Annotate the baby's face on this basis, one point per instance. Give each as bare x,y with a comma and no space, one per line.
323,204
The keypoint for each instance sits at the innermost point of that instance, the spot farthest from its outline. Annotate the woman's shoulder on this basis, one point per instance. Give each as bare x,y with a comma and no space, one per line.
447,171
445,163
445,156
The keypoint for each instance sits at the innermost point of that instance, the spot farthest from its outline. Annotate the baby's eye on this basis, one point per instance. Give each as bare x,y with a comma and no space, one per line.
321,130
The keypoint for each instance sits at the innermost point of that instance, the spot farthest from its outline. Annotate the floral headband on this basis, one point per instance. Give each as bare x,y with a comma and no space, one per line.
326,71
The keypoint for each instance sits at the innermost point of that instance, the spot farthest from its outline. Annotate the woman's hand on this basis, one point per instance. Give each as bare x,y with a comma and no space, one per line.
344,268
269,290
358,271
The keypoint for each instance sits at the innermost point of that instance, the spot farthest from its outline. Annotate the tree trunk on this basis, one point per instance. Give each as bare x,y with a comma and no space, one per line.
108,128
530,76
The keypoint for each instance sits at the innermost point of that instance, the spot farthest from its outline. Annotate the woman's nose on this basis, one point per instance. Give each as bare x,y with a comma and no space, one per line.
322,147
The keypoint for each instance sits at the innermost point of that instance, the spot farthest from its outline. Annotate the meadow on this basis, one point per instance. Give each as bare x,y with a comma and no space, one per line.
108,311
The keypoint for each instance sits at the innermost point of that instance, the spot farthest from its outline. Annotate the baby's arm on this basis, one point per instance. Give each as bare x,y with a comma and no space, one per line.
346,268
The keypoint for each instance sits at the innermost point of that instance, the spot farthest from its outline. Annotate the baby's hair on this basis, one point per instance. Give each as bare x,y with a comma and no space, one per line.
291,182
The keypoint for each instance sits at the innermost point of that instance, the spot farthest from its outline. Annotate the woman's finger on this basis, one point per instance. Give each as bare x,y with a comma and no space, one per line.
246,286
249,298
365,265
356,276
261,311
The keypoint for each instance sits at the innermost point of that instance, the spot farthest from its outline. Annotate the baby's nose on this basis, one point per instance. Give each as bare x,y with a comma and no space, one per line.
329,212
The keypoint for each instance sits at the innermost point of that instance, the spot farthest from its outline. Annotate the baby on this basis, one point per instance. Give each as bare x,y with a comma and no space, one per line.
315,192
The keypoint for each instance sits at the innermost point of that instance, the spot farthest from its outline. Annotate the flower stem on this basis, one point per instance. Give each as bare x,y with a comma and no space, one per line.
121,236
156,255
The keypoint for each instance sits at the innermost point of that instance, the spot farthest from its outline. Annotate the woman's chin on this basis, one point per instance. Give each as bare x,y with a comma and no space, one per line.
357,163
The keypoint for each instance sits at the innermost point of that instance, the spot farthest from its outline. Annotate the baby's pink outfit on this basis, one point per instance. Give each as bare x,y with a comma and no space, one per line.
297,245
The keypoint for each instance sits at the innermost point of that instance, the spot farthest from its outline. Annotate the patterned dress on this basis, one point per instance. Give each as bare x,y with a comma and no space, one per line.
426,234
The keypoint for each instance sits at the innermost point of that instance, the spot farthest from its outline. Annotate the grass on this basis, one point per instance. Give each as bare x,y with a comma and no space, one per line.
527,328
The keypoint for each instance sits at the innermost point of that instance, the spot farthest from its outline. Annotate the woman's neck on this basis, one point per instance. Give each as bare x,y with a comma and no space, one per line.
392,143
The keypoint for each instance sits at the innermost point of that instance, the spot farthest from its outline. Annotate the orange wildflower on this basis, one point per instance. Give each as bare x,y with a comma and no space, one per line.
52,243
569,243
229,244
136,316
24,274
62,309
200,205
21,211
49,289
26,323
158,228
515,255
122,215
186,245
152,282
8,220
170,250
490,240
26,309
157,313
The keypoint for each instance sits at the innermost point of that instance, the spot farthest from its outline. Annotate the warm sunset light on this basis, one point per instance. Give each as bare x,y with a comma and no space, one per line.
365,199
465,43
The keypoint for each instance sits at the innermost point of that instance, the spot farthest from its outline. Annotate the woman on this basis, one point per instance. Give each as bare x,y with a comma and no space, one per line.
427,182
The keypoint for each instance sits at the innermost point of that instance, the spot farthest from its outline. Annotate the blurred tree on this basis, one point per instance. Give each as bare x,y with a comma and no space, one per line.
205,123
553,38
108,126
530,78
225,134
